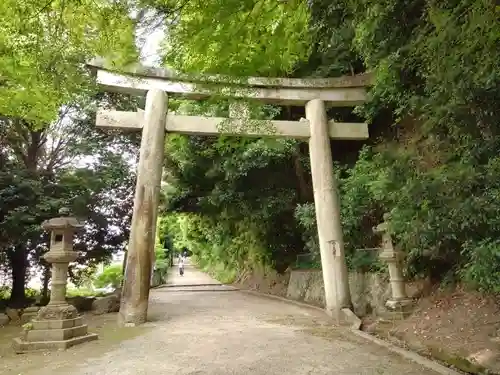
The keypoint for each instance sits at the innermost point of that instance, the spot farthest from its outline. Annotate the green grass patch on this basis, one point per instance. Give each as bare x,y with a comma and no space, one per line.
221,273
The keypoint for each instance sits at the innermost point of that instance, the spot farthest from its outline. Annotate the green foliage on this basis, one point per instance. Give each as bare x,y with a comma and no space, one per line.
240,38
444,218
223,249
47,109
308,261
44,46
162,265
234,191
434,99
481,270
436,75
4,292
83,292
305,214
237,202
360,211
161,259
45,169
111,275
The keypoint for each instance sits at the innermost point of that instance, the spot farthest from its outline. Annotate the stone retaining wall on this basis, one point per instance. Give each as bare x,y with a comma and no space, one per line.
369,291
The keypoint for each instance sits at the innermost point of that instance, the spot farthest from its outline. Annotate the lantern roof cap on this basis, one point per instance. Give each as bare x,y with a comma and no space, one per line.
65,221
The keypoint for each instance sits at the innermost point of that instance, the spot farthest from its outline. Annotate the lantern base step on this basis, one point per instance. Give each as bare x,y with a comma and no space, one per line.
22,346
399,309
52,335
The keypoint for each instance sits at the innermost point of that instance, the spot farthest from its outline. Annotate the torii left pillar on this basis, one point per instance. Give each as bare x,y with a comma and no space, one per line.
140,254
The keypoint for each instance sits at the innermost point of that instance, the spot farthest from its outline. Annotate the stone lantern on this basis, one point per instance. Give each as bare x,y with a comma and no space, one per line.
57,325
399,301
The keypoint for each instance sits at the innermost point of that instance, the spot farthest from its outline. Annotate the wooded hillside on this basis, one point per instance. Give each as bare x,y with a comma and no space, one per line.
431,161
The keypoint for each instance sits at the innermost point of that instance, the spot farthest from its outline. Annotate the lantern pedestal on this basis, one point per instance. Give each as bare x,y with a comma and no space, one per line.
57,325
53,335
399,306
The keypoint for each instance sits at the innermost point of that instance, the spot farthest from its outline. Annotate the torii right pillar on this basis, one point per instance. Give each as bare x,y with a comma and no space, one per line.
327,205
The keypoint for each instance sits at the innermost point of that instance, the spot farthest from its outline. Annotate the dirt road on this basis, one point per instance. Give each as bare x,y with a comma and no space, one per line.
200,328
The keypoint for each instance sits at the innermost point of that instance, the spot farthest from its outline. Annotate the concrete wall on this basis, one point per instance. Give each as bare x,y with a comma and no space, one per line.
369,292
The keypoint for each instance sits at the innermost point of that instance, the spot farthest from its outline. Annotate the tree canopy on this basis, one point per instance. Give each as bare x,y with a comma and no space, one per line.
240,203
45,170
51,155
44,46
431,159
241,38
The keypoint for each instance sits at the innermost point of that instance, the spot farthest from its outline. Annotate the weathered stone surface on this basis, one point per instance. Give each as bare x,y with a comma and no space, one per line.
369,292
140,258
107,304
34,335
14,315
82,304
53,334
248,335
299,284
31,309
41,300
307,286
264,281
487,358
371,327
57,324
27,317
21,346
57,312
4,319
496,340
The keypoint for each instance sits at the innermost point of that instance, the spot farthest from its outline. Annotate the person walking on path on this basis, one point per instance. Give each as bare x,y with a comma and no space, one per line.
181,264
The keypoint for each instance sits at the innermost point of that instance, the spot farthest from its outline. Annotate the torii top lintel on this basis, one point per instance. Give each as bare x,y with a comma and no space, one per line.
339,92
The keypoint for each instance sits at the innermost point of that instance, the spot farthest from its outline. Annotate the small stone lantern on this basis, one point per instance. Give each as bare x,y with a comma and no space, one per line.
57,325
399,301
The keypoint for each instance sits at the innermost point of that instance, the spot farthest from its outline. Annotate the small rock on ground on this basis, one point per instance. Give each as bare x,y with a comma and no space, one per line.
107,304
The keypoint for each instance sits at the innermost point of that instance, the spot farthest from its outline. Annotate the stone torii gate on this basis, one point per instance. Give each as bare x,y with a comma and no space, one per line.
314,94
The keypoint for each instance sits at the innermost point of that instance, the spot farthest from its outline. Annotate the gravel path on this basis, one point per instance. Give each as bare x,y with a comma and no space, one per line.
211,329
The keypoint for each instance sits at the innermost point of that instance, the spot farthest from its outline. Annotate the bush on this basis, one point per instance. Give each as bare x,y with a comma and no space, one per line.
306,217
29,292
443,216
83,292
4,292
112,275
483,268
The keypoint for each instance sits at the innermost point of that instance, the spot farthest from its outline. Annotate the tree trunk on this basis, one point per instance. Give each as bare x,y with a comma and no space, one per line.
17,259
304,189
